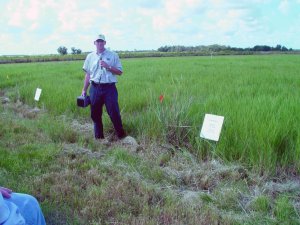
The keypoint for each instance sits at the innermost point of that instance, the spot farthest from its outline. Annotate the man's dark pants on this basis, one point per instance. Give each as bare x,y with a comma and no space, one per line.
105,94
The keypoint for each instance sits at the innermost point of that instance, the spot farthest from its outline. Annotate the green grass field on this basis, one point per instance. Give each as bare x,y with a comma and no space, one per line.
257,95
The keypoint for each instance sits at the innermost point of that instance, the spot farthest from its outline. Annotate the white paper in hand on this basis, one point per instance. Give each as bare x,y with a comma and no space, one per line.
212,126
37,94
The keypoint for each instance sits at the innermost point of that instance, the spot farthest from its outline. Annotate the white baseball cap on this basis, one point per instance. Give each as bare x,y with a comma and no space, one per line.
100,37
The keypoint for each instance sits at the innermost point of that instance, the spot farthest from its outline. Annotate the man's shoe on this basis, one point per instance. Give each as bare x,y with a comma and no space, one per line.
120,137
103,141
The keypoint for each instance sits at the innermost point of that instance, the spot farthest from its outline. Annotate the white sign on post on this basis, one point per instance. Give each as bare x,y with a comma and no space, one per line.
37,94
212,126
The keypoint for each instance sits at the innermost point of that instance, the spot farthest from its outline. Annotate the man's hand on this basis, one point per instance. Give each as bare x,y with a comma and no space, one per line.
86,84
113,70
6,193
104,64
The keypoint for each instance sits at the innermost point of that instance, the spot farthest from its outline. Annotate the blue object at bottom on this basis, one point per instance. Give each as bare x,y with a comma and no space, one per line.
21,209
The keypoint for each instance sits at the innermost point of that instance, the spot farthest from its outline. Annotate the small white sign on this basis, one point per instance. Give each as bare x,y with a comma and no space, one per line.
212,126
37,94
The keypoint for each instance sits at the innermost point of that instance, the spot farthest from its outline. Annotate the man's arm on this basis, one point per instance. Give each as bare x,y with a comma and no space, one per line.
85,84
113,70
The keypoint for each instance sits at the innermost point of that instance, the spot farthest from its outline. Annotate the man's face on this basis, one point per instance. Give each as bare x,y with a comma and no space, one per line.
100,44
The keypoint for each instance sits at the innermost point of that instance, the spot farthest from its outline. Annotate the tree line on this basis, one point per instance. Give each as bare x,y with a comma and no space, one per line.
218,48
62,50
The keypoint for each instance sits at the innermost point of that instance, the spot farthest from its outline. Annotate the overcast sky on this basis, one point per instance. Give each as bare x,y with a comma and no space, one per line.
41,26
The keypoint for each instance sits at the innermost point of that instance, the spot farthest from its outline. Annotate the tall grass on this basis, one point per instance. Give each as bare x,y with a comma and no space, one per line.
89,183
257,95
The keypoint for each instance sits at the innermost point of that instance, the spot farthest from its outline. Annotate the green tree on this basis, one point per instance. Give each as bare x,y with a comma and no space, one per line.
62,50
75,51
278,48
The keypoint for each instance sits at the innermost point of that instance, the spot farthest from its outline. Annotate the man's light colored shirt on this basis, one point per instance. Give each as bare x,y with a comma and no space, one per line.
97,73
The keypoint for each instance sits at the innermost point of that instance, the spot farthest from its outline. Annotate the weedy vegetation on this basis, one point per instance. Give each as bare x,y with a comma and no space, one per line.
251,176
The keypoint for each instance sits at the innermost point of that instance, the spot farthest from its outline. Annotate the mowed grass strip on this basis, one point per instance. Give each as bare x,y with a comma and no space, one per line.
257,95
131,188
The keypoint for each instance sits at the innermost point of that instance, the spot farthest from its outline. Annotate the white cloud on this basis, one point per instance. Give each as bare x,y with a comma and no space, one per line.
174,14
143,24
72,17
15,9
21,13
284,6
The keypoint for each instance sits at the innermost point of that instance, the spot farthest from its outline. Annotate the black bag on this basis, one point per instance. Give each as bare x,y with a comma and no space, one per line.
83,101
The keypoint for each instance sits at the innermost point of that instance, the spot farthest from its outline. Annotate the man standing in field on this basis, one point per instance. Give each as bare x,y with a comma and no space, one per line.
101,70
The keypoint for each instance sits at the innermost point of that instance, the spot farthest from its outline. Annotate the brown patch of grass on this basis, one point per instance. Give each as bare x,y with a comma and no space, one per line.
21,109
